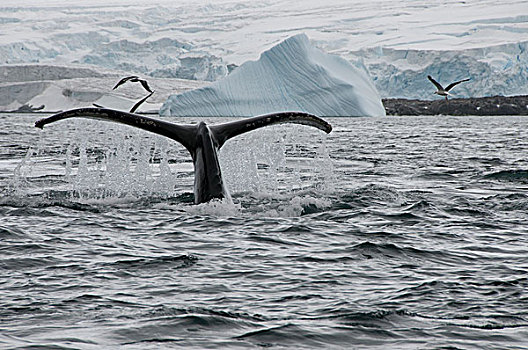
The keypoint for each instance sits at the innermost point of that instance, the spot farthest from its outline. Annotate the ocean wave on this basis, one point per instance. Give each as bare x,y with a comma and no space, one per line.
513,175
167,311
11,232
380,318
384,260
276,241
368,196
508,202
493,161
28,263
289,335
28,205
179,261
372,250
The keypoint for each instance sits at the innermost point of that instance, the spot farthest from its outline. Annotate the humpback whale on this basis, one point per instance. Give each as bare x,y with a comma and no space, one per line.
201,140
440,89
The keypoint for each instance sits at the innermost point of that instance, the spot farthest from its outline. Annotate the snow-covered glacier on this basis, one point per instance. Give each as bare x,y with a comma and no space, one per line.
291,76
162,58
495,70
104,43
49,88
400,42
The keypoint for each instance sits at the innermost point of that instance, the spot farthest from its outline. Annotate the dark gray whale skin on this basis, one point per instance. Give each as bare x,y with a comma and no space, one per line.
201,140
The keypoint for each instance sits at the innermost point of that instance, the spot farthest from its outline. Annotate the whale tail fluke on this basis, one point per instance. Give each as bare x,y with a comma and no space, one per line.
186,134
202,141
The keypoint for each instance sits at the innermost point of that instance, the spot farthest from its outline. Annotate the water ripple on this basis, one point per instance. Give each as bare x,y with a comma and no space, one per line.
393,233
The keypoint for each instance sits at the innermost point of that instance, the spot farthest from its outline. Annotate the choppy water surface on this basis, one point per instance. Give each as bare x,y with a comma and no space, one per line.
389,233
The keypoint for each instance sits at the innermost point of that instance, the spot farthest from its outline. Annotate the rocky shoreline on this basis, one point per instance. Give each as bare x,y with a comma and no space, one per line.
494,105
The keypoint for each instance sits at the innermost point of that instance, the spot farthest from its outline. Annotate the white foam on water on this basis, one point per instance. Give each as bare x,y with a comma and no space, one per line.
109,164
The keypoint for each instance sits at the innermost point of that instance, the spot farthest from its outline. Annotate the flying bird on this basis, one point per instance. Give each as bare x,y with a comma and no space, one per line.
440,89
134,79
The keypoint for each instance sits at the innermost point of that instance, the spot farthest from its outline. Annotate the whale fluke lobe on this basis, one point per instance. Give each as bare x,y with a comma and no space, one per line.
183,134
202,141
224,132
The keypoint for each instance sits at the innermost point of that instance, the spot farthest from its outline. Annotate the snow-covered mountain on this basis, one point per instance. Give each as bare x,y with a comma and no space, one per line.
291,76
400,42
53,88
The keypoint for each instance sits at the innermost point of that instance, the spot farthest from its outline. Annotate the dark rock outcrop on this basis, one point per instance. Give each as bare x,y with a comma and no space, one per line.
494,105
27,108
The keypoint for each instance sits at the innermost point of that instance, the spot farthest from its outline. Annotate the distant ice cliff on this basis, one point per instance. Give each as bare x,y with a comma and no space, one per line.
292,75
494,70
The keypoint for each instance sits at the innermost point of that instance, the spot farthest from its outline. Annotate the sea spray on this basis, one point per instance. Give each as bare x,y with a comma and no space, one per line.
131,163
98,161
21,174
274,161
20,183
325,179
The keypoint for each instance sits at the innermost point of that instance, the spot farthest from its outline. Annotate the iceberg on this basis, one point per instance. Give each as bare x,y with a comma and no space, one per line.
293,76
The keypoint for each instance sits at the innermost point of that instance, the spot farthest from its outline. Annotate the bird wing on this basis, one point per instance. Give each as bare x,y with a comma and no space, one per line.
145,85
437,84
124,80
450,86
140,102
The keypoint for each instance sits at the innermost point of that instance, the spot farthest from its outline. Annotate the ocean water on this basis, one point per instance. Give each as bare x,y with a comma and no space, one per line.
388,233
